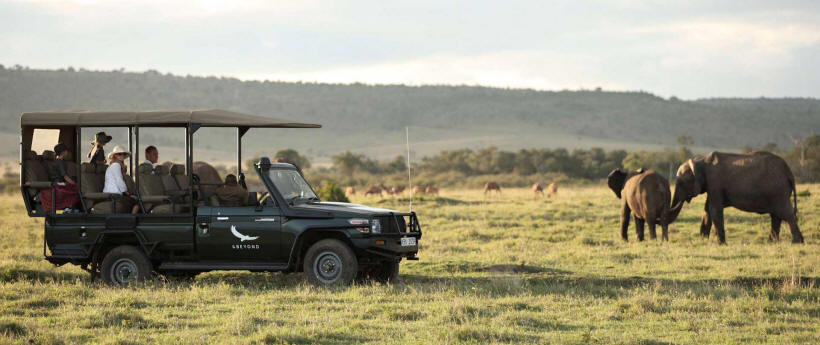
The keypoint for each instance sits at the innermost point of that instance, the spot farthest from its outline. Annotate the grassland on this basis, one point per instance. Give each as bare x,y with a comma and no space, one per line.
506,269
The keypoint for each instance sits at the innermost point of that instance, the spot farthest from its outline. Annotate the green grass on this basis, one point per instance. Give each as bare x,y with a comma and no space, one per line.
504,269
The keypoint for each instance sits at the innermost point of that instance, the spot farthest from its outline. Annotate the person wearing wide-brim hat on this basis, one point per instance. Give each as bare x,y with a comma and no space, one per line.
114,179
97,154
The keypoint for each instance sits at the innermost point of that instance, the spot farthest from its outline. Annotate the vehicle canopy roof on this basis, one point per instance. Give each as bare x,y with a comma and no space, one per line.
202,117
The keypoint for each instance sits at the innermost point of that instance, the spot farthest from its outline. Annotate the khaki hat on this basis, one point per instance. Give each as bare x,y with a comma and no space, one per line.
118,149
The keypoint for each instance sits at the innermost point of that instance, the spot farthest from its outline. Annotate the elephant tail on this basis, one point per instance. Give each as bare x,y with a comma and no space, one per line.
794,195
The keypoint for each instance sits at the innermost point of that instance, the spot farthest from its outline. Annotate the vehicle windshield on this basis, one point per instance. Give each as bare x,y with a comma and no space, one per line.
292,185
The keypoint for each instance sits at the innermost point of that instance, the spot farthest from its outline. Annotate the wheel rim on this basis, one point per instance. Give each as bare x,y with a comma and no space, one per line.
328,267
124,271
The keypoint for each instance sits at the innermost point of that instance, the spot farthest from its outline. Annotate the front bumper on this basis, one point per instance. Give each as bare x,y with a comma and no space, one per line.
389,245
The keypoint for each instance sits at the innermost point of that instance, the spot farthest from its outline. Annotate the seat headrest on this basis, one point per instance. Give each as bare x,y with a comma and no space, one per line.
145,168
31,155
88,168
48,155
161,170
177,169
100,168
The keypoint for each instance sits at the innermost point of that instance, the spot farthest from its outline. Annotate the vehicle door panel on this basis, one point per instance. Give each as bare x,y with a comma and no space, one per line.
242,234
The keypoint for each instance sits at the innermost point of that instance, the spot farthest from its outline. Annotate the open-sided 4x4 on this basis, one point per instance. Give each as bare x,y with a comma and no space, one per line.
183,232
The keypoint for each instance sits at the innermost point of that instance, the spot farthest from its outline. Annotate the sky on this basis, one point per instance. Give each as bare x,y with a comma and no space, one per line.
686,49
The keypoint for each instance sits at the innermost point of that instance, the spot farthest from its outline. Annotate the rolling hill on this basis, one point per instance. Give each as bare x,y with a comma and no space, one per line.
371,118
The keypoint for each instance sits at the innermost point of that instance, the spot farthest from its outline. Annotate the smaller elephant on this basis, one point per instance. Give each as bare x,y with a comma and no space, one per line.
645,195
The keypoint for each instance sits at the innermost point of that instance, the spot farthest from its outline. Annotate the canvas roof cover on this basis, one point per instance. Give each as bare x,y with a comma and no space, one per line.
205,117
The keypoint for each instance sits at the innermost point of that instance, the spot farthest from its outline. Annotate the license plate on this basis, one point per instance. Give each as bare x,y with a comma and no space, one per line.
408,241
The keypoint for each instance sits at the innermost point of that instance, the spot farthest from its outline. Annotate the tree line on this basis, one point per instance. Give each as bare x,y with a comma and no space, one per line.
585,164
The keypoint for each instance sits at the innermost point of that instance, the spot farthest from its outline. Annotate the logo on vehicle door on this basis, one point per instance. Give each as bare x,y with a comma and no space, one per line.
241,237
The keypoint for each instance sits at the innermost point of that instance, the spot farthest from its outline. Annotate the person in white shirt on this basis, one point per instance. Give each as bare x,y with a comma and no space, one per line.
151,155
114,180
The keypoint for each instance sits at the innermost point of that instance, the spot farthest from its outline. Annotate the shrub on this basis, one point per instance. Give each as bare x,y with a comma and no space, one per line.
330,191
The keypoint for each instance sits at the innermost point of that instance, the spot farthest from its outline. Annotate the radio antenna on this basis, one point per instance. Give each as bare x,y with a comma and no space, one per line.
409,175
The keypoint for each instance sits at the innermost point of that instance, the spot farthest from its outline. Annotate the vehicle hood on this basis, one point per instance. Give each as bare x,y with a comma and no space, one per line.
344,209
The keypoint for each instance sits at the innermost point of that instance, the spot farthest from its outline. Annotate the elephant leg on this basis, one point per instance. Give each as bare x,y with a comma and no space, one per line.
664,232
716,213
639,227
705,222
791,219
625,212
774,235
652,234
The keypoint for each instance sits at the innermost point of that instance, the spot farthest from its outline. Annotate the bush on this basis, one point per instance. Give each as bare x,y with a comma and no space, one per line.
330,191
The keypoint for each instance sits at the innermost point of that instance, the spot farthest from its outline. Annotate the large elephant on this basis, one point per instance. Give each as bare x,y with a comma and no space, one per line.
645,195
755,182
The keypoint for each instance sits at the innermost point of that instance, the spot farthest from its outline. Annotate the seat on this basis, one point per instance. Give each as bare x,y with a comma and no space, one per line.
152,191
36,175
48,157
169,183
92,178
178,173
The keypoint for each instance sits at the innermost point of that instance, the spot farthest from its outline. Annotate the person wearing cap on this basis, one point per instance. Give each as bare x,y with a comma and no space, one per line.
114,179
97,153
231,193
66,193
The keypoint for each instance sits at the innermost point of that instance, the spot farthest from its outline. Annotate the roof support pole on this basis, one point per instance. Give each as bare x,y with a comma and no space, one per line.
135,157
189,160
240,132
78,151
131,149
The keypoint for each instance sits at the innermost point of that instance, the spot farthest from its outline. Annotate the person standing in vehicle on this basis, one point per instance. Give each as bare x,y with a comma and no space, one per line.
97,153
231,193
115,181
66,193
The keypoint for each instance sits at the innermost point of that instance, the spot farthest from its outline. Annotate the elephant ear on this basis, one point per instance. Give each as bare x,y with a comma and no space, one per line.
699,175
616,180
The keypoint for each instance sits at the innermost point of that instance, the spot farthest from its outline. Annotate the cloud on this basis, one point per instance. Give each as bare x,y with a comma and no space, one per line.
174,10
540,69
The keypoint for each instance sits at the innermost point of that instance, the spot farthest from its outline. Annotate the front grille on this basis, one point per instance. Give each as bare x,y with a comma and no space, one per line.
393,224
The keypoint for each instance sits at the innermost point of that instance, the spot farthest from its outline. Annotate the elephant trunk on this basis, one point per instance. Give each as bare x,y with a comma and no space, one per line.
677,206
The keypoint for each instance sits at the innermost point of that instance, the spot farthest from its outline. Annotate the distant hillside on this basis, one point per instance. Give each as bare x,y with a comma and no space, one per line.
371,119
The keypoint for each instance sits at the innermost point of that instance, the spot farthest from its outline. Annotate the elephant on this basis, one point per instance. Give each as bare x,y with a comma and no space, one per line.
758,182
646,196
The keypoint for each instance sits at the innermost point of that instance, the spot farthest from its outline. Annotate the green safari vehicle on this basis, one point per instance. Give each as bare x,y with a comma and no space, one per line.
181,230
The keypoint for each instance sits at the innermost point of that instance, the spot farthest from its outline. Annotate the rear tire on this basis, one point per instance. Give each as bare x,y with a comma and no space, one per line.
125,265
330,263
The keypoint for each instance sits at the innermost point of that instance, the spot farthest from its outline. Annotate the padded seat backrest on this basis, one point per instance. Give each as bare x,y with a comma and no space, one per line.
35,170
169,184
178,173
72,169
48,159
129,183
150,184
100,173
90,179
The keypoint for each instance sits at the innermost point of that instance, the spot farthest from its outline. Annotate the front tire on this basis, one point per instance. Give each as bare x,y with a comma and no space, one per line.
125,265
388,272
330,263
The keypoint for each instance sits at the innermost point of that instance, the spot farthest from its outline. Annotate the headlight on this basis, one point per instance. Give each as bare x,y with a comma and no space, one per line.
363,225
376,226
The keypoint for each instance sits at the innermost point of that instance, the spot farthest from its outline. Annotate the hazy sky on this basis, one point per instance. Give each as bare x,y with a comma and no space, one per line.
690,49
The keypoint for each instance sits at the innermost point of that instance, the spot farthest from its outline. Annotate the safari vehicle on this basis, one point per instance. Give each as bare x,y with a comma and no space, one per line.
181,231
